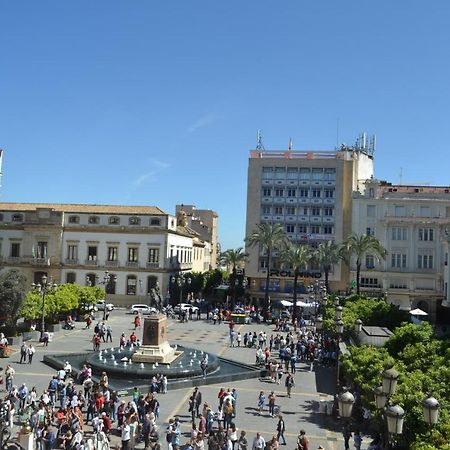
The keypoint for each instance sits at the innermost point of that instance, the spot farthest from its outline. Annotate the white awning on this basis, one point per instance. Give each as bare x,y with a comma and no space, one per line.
418,312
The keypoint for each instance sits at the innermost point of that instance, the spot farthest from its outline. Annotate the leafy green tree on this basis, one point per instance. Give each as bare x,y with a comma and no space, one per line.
327,255
409,334
233,258
358,246
267,237
213,278
12,294
297,258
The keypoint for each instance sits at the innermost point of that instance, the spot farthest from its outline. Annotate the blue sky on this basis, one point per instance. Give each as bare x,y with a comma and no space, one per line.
146,102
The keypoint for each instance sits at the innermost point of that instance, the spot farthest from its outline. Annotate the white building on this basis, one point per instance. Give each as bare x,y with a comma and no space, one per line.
411,223
140,246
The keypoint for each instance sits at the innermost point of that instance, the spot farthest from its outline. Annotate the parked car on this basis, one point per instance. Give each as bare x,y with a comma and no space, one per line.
101,306
142,309
185,307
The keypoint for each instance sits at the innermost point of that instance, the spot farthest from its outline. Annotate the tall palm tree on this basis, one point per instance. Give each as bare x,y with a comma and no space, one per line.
296,257
358,246
233,258
326,256
267,236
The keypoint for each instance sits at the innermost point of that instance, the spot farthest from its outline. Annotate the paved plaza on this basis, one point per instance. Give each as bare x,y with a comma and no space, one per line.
299,411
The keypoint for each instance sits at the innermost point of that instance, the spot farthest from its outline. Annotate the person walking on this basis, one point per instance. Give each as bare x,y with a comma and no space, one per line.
281,427
258,442
261,402
109,334
357,440
30,352
289,383
23,353
302,441
9,375
347,434
125,435
272,397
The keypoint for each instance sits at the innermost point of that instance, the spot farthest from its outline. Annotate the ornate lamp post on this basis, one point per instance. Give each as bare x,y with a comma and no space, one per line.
340,332
338,312
431,410
46,286
108,278
358,326
345,400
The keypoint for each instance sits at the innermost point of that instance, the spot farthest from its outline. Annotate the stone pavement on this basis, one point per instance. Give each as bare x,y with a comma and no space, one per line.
299,411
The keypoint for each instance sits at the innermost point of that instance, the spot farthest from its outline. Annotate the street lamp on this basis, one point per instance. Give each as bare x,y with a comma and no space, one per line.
346,400
358,326
106,280
338,312
389,381
181,280
46,286
340,331
430,410
395,415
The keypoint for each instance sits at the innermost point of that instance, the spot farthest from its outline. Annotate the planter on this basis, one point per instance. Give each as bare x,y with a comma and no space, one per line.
54,327
5,352
31,335
15,340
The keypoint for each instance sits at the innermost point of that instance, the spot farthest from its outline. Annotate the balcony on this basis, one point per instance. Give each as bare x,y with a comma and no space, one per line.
152,265
39,261
91,262
71,261
132,264
15,259
113,263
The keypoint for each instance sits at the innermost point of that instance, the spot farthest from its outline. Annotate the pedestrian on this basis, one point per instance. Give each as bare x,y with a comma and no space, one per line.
169,431
261,402
197,401
347,434
204,366
125,435
281,427
258,442
9,376
272,397
137,322
302,441
357,440
30,352
164,384
45,338
243,443
239,339
108,333
289,383
23,353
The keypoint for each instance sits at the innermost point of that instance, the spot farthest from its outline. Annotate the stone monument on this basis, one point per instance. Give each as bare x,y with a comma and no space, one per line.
155,347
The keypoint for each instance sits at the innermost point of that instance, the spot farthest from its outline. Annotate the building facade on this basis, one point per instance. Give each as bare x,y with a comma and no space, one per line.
140,246
412,223
310,194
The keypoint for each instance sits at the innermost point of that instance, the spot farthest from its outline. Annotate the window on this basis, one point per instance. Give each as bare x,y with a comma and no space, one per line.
371,192
398,284
426,234
41,250
266,209
133,254
152,283
94,219
267,192
328,212
370,262
279,192
369,282
329,193
317,174
263,263
290,228
302,229
17,218
278,210
399,233
72,252
424,261
398,260
15,250
305,211
134,220
92,253
290,210
292,173
112,253
153,255
315,211
425,211
71,277
371,210
91,279
155,221
303,193
330,174
305,173
370,231
315,229
131,285
327,229
316,193
280,173
74,219
399,211
291,192
267,173
1,217
114,220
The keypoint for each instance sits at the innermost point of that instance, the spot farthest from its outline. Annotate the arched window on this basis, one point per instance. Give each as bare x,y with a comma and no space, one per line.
155,221
131,285
114,220
134,220
71,277
17,218
151,283
74,219
94,219
91,279
110,287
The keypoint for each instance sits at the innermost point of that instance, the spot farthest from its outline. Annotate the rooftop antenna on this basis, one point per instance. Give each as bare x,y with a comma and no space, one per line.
290,144
1,164
259,144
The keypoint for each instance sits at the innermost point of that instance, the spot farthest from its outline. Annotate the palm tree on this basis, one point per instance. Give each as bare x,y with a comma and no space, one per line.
358,246
233,258
267,236
326,256
296,257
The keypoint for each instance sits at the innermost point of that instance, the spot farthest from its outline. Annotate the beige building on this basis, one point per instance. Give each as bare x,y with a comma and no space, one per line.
140,246
412,223
310,194
205,223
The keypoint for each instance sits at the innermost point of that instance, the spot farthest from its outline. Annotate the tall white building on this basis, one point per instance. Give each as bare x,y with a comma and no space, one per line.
140,246
412,223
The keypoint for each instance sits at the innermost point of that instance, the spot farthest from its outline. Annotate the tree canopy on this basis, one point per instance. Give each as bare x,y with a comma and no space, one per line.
12,294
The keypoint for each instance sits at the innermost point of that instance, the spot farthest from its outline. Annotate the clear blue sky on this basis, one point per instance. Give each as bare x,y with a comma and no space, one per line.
146,102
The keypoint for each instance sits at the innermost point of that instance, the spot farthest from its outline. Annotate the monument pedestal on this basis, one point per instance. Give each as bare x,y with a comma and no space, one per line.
155,347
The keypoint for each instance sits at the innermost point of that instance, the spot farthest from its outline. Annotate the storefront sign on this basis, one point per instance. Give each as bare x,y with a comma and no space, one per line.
288,273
